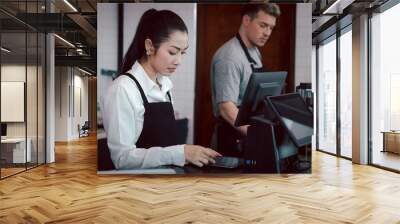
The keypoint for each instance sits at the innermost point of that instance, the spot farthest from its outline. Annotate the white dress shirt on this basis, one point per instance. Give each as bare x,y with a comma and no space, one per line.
123,116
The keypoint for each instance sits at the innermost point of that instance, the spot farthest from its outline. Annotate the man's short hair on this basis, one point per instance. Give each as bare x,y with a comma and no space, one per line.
270,8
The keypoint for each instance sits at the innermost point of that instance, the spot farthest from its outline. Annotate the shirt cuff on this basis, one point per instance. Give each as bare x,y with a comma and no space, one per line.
178,156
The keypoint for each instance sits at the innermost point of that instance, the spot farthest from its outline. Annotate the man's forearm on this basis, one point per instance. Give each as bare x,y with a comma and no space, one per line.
229,112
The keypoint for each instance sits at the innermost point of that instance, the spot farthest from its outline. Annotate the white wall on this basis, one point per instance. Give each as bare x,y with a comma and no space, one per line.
107,48
303,43
33,126
304,65
80,82
61,103
14,72
67,81
184,78
17,72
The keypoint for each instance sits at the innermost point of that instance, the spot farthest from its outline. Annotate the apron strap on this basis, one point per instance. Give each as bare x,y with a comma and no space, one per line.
246,52
169,96
144,98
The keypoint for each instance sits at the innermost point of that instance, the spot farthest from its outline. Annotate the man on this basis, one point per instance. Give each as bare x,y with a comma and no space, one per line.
231,68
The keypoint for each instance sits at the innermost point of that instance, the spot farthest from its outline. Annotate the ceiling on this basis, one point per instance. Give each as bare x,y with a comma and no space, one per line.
330,15
76,24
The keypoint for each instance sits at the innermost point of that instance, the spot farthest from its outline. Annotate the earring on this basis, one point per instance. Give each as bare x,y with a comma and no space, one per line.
148,53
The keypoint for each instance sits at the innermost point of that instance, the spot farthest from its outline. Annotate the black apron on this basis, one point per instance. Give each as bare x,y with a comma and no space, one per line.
159,129
249,58
228,138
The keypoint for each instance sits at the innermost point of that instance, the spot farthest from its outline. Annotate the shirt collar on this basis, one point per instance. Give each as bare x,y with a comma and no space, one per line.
146,83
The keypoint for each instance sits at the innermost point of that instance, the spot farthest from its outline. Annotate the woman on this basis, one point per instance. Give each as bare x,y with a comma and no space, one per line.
138,114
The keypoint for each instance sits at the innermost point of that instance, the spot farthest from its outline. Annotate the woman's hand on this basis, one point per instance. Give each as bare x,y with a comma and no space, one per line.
199,155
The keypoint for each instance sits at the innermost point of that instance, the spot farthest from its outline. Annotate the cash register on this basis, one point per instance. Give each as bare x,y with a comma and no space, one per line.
279,124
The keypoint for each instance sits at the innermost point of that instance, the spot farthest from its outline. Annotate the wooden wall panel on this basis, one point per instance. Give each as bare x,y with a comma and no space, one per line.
217,23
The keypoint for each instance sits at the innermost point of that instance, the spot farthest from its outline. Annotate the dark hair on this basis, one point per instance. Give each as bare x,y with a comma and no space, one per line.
156,26
270,8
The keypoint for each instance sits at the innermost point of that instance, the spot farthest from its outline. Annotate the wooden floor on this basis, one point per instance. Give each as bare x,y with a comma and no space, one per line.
10,171
70,191
5,172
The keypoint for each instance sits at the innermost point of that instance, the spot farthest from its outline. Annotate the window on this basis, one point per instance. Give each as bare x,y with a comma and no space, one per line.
327,96
346,93
385,86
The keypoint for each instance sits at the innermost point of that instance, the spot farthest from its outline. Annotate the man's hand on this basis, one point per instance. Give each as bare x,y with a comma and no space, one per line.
243,129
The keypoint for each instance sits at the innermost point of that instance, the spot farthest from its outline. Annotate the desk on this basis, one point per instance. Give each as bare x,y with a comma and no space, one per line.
13,150
188,170
175,170
391,141
194,170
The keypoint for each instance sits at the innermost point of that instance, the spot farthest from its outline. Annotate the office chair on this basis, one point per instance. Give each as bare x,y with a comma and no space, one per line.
84,130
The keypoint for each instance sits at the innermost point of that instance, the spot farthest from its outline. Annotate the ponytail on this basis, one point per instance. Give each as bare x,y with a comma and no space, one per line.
156,26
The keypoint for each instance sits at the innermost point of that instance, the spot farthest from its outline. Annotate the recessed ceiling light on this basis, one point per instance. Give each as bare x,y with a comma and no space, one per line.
64,40
337,7
5,50
86,72
70,5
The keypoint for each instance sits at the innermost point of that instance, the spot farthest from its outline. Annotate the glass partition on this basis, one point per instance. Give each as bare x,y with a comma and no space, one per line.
31,98
41,91
13,109
22,64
